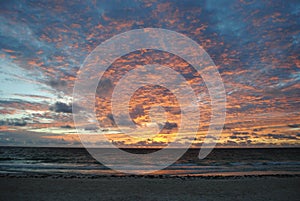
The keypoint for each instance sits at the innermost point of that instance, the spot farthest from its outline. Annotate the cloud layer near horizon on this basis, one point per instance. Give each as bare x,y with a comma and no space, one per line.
254,44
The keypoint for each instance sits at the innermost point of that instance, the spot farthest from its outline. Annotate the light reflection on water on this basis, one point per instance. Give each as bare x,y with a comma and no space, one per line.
222,162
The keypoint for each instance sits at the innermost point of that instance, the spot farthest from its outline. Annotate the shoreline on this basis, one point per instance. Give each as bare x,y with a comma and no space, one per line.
147,176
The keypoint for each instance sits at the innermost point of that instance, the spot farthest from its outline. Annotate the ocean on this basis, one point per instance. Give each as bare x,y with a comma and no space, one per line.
220,162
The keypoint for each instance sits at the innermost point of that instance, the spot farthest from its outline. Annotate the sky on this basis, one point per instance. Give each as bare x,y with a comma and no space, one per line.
253,43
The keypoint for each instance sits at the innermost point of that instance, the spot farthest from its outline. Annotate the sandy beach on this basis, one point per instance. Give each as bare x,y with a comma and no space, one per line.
150,189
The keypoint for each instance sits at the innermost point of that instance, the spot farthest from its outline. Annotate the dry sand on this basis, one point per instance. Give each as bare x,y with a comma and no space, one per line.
139,188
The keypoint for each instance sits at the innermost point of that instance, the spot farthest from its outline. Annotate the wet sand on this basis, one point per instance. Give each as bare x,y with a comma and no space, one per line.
149,189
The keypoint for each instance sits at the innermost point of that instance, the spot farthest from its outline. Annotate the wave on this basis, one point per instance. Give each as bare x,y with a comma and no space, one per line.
78,161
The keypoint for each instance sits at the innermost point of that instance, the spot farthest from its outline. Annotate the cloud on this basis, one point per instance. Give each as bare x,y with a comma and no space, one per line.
61,107
105,88
240,133
20,105
13,122
27,138
255,48
281,136
66,126
294,125
243,137
231,143
169,125
57,83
